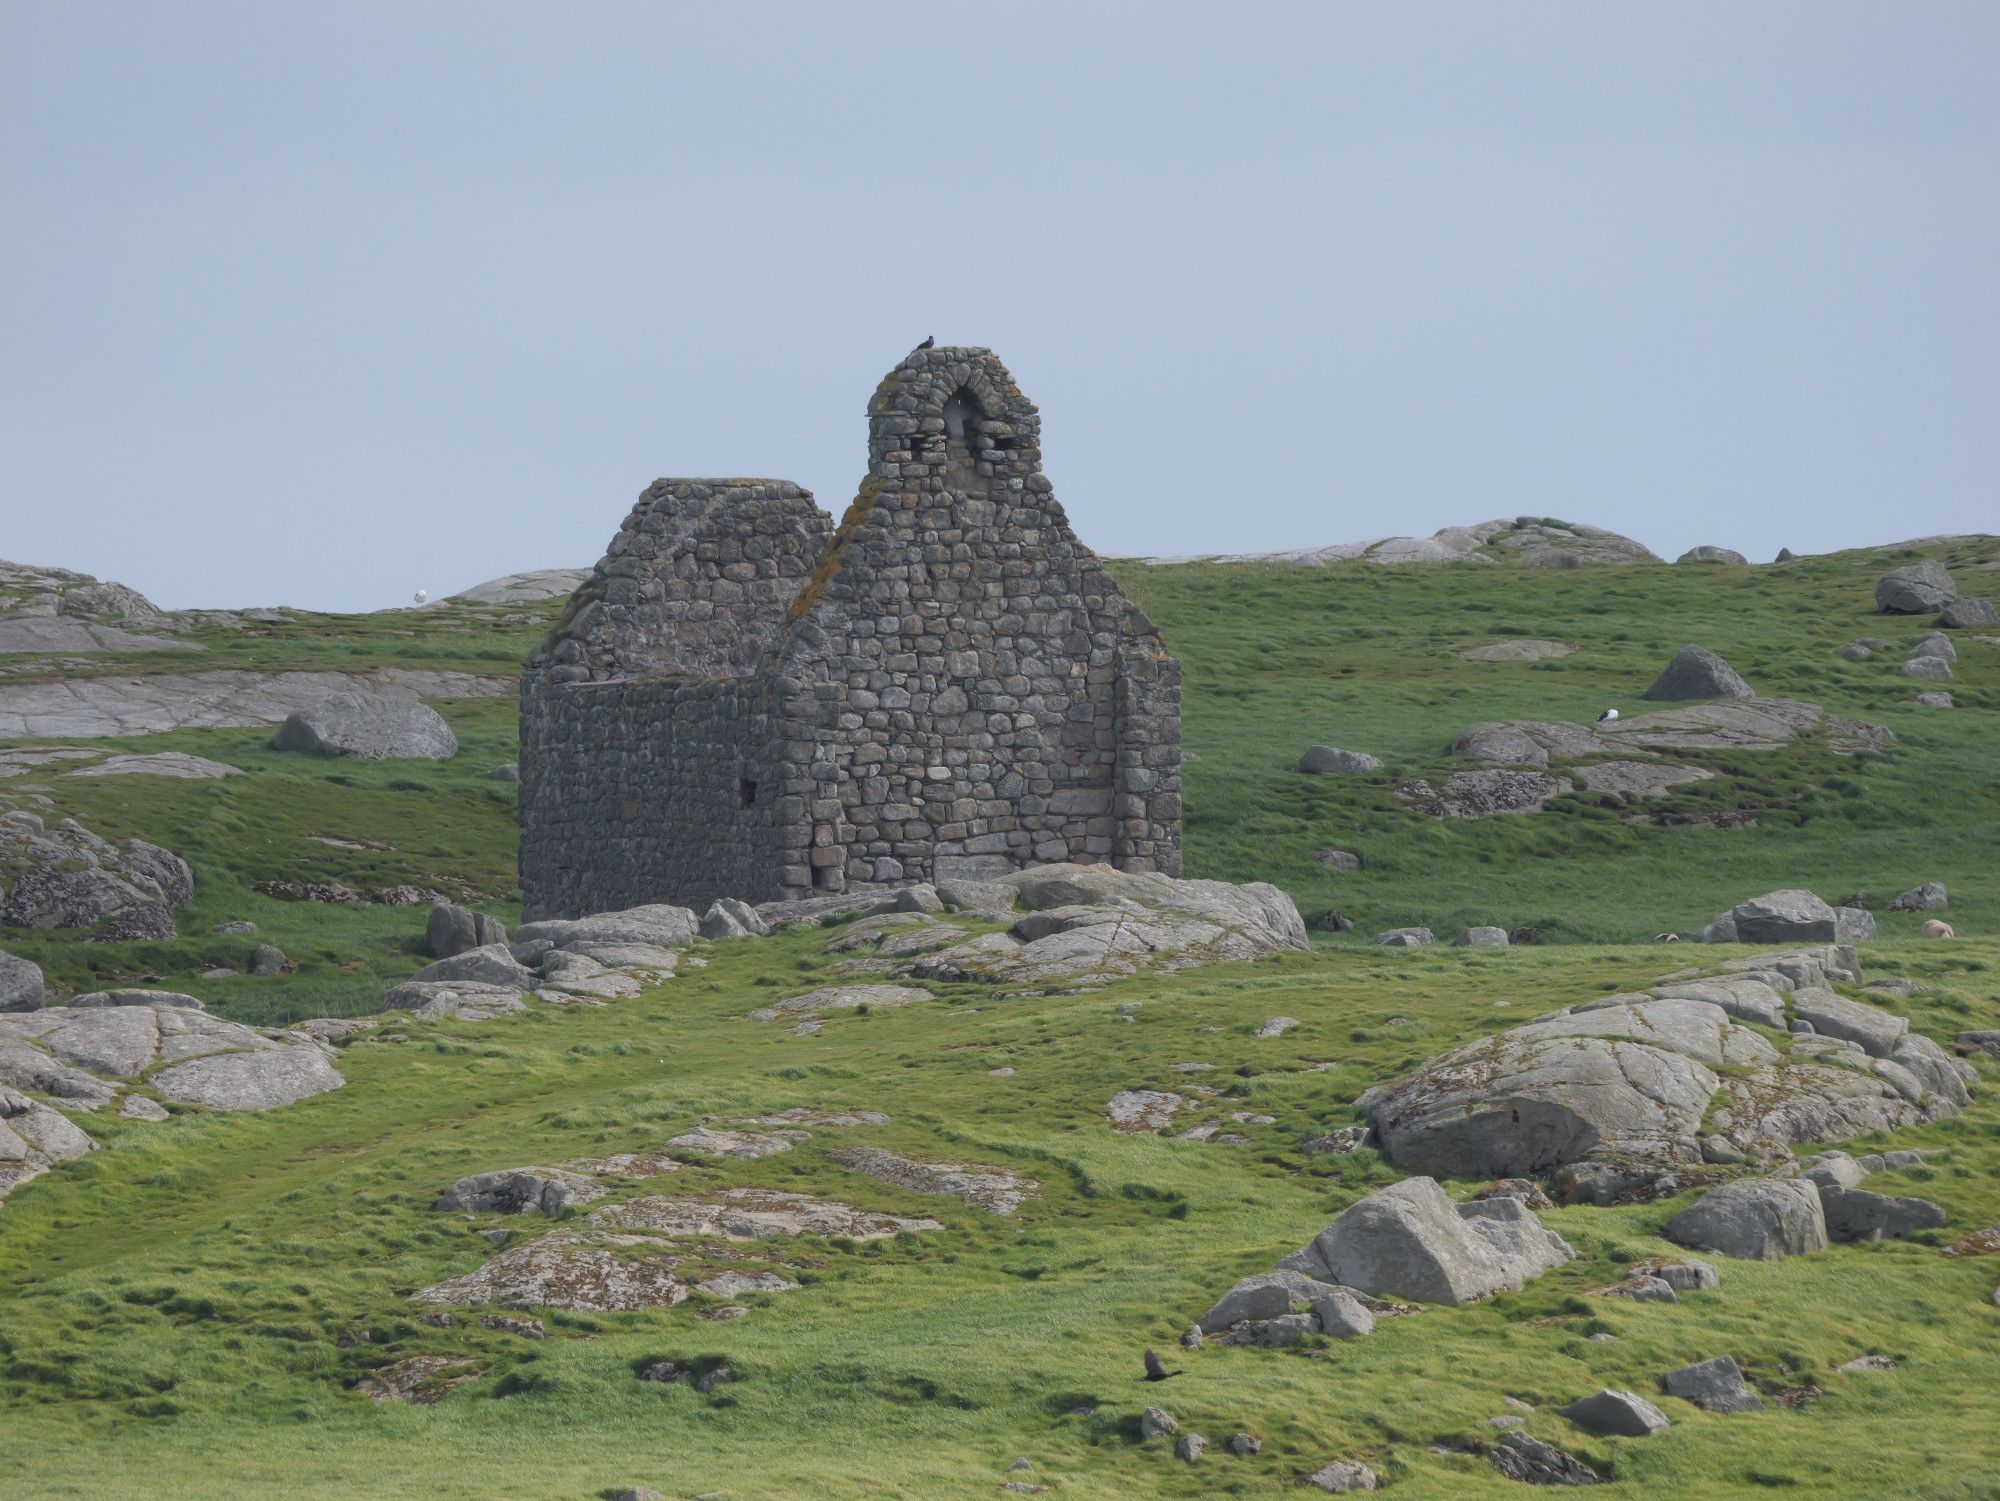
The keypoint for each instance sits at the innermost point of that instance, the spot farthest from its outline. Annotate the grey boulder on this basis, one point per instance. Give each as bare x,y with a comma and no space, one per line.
490,964
1697,673
1929,669
1521,1456
1483,938
1409,1240
1853,924
1406,938
1715,1385
1759,1219
1783,917
33,1139
1876,1031
1626,1414
372,726
1343,1476
1974,614
1327,759
1918,589
1929,897
1855,1214
21,987
1933,644
729,918
523,1190
452,930
1707,554
1267,1295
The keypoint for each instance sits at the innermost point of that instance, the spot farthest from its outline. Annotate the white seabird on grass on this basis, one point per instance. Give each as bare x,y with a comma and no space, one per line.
1607,716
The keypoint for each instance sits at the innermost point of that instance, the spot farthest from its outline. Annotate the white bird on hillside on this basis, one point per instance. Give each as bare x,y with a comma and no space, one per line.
1607,716
422,595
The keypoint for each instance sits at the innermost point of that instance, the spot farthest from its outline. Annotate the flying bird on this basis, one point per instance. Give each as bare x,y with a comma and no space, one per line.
930,342
1155,1371
1607,716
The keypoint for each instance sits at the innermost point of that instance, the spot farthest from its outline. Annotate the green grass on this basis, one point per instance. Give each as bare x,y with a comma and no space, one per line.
180,1314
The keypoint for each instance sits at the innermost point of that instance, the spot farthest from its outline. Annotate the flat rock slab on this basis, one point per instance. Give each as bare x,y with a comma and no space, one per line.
1145,1109
520,1190
96,708
56,633
599,1273
1636,778
207,1061
164,764
990,1188
527,588
458,1000
33,1139
745,1146
839,998
1524,649
422,1379
750,1214
655,926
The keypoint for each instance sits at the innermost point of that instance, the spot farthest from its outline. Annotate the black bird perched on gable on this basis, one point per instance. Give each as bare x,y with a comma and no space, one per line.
930,342
1155,1371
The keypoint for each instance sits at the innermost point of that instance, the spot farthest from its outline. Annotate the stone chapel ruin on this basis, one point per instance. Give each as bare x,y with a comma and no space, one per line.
743,700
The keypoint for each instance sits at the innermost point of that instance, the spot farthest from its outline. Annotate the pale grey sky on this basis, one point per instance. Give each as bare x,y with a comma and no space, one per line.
319,303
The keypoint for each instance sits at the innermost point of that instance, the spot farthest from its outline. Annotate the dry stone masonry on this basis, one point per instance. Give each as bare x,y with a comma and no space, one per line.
743,701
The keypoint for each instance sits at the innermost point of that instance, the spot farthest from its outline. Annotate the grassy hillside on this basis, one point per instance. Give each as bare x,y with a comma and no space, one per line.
184,1313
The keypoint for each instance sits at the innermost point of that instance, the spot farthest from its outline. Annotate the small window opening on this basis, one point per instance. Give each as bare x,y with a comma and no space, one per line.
746,791
822,875
960,413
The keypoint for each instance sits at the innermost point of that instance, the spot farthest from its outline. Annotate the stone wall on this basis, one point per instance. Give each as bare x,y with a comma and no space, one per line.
737,705
640,726
642,792
963,689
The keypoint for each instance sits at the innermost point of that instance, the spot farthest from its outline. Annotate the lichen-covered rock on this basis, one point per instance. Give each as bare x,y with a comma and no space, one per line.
371,726
1929,669
1918,589
990,1188
1929,897
1711,554
754,1214
1759,1219
1482,794
599,1273
1343,1476
1697,673
1856,1214
1410,1241
67,877
520,1190
1521,1456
